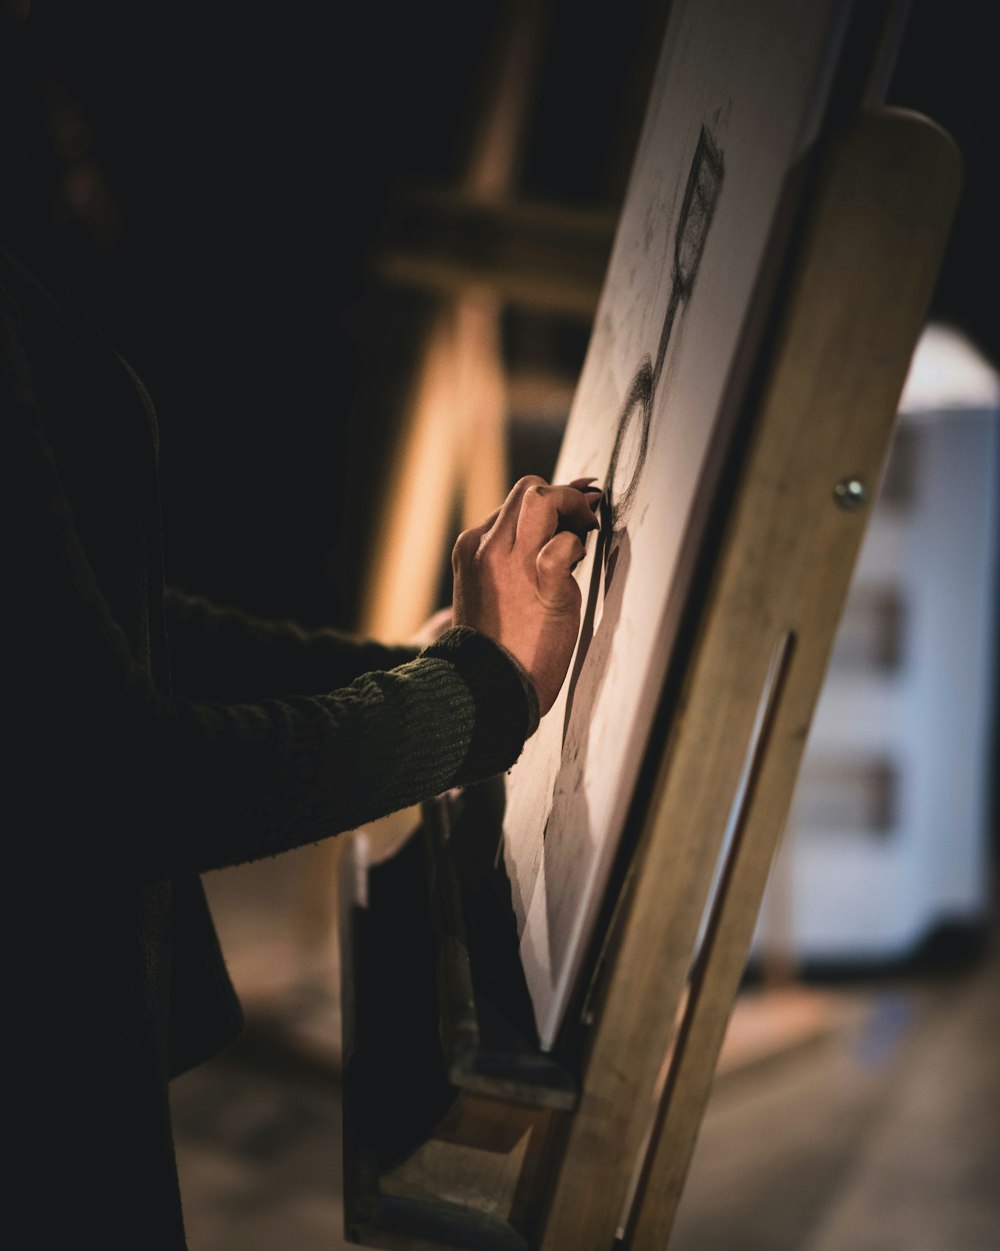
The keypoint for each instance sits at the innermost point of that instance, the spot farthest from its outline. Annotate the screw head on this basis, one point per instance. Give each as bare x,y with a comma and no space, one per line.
850,494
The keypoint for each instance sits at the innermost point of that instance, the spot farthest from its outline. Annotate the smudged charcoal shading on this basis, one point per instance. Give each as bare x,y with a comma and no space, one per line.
701,195
612,559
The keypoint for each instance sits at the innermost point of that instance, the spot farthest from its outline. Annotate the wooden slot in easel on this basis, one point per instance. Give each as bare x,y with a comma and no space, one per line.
496,1091
600,1155
485,1052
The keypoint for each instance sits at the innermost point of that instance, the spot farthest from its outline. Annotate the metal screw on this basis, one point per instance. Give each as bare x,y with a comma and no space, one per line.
850,494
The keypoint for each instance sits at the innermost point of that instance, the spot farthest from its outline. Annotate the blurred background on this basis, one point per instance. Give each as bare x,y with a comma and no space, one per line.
314,232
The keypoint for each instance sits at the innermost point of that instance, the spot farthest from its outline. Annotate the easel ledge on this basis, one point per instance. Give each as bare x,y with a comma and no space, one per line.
611,1171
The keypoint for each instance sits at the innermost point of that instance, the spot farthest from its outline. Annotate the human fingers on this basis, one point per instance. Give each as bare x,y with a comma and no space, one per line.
593,493
501,524
509,508
467,543
554,565
486,526
505,526
545,510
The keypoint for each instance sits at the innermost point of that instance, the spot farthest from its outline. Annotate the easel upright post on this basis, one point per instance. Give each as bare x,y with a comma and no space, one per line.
821,437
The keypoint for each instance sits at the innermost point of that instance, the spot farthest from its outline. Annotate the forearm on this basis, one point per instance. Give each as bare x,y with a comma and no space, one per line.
175,785
223,654
122,774
113,773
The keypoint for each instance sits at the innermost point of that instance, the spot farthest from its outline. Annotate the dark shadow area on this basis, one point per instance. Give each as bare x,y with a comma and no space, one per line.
213,188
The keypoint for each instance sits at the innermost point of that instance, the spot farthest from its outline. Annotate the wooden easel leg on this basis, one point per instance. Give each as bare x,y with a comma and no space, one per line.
881,221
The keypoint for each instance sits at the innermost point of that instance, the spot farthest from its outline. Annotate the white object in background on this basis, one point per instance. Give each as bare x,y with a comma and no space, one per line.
888,836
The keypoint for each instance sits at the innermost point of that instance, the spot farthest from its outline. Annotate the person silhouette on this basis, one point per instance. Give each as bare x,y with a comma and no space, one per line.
157,736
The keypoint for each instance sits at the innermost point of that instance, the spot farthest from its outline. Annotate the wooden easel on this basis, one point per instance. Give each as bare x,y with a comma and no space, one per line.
597,1157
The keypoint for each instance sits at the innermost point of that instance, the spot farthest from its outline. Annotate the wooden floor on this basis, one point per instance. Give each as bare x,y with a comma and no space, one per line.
883,1135
874,1125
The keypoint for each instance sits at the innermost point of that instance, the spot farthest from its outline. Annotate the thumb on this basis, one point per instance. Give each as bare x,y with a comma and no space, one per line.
554,567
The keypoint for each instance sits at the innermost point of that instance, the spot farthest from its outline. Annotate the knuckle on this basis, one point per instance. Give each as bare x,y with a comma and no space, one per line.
529,481
547,562
488,555
461,551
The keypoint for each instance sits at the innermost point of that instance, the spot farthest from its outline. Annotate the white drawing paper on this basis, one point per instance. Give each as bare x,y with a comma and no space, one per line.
737,98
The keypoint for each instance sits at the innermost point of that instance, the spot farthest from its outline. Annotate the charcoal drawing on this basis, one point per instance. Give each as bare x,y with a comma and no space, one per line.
612,558
733,108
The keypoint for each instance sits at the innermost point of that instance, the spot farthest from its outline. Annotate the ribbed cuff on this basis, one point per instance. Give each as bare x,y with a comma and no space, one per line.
504,696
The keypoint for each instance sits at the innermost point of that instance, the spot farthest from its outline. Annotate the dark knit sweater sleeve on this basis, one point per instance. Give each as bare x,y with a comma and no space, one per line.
167,784
221,653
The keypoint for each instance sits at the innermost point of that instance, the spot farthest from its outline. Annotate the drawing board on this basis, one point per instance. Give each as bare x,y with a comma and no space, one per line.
738,96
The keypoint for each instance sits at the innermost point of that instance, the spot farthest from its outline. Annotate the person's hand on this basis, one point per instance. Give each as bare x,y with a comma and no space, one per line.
514,577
